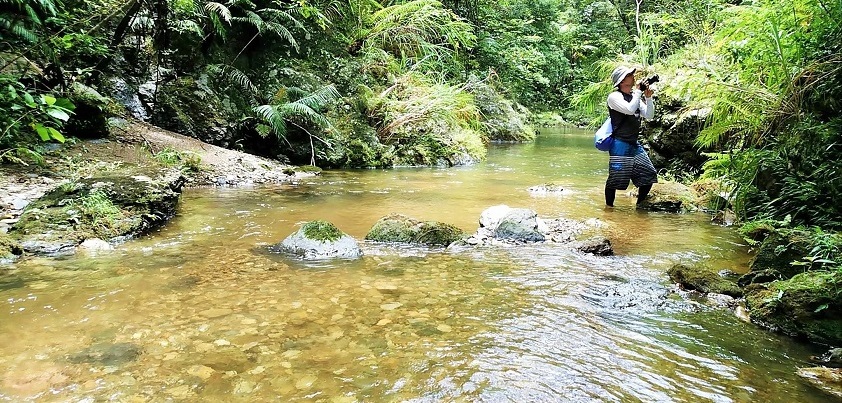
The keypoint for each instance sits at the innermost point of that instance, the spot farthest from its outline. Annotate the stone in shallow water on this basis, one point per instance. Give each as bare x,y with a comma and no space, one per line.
215,312
201,371
391,306
108,354
305,382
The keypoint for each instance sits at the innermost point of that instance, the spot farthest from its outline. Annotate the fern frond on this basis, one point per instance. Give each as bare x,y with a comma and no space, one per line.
188,26
270,116
303,113
275,14
219,10
320,98
24,33
282,32
251,18
234,75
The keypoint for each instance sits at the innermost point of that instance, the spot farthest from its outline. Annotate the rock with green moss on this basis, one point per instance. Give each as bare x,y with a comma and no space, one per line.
111,206
807,306
89,119
403,229
671,197
703,279
776,253
316,240
9,248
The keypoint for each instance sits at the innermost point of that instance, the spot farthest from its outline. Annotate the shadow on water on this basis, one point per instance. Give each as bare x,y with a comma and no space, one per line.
202,311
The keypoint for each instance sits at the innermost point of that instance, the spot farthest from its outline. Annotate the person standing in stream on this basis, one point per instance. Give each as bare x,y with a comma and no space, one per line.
628,160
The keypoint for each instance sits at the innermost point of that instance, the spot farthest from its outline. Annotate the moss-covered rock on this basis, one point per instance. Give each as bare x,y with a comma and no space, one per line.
317,240
110,206
703,279
672,136
9,248
774,258
400,228
670,197
778,251
807,306
89,119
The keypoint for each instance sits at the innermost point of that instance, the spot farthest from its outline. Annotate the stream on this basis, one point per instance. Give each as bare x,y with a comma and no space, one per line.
200,310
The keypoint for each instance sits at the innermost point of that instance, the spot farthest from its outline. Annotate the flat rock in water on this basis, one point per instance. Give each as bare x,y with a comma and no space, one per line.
826,379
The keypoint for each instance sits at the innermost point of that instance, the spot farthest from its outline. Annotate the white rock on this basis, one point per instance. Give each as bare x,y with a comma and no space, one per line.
95,245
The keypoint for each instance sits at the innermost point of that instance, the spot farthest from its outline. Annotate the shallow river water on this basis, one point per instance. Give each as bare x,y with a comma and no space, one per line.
201,311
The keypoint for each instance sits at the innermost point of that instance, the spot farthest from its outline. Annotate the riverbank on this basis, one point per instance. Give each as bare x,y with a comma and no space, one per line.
137,146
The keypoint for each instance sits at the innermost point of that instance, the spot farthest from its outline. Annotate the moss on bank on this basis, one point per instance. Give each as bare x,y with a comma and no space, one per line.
806,306
9,248
110,205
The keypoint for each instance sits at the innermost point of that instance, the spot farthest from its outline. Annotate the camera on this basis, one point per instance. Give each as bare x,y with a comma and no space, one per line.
649,81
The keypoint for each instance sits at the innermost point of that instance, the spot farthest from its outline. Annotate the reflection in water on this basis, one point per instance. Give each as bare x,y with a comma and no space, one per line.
201,311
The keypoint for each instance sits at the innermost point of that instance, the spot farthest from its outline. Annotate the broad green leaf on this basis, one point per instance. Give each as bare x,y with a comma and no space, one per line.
55,134
65,103
48,99
30,102
42,131
58,114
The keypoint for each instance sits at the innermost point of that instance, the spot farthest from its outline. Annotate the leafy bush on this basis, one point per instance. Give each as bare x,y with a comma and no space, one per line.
25,114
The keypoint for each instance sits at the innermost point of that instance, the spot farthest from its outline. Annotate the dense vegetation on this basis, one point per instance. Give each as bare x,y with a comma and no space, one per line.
363,83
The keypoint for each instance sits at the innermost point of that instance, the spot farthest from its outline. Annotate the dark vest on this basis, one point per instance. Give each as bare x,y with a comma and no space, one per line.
626,127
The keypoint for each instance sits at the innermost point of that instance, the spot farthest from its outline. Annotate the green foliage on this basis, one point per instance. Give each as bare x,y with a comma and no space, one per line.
527,44
19,19
420,30
296,107
426,121
187,160
26,114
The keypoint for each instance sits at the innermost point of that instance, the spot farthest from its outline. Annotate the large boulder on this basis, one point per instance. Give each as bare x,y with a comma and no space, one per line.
194,107
518,225
502,224
806,306
317,240
703,279
112,206
400,228
89,119
673,139
671,197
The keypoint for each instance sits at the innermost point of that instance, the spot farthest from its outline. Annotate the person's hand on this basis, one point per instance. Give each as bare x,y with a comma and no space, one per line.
648,92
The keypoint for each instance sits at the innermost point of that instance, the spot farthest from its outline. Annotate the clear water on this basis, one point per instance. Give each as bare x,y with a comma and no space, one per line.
200,311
